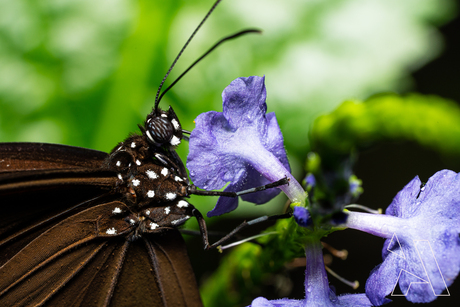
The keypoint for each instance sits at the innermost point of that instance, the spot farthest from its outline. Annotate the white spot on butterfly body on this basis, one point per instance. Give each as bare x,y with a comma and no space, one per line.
133,145
175,123
161,159
147,212
116,210
177,178
154,226
174,141
164,115
138,162
119,177
136,182
151,174
151,194
180,220
167,210
182,204
118,163
132,222
170,196
111,231
164,172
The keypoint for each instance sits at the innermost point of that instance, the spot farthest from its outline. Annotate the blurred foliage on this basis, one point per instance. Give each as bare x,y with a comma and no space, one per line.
247,267
85,73
428,120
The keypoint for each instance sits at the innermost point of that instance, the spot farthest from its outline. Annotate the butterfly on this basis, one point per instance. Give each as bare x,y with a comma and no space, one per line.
81,227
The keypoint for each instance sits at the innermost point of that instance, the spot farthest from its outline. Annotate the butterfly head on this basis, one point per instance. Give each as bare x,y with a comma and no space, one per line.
163,128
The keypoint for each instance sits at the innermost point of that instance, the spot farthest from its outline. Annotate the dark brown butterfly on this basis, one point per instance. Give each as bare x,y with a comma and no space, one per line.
80,227
77,229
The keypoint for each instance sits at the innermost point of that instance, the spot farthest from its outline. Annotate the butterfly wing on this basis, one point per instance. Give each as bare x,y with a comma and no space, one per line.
15,157
39,186
73,263
55,208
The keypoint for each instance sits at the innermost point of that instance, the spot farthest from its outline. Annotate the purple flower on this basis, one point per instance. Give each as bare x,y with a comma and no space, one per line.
317,291
422,250
242,145
302,216
310,181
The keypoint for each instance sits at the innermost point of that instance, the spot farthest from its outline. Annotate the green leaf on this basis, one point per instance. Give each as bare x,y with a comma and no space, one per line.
428,120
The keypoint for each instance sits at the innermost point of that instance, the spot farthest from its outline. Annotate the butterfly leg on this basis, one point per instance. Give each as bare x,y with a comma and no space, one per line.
193,190
204,231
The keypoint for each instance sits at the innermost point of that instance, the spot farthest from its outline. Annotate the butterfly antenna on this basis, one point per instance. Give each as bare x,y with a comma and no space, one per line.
157,101
204,55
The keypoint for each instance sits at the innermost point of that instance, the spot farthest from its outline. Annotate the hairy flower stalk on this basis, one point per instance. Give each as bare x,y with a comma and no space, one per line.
316,283
379,225
317,290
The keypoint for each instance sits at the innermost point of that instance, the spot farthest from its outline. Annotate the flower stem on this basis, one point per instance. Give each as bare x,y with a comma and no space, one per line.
316,283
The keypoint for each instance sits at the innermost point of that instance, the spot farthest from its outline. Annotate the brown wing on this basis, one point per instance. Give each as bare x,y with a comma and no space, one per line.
32,156
174,272
39,186
51,249
73,264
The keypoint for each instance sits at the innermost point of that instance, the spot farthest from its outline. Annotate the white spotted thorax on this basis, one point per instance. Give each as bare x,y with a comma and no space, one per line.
151,179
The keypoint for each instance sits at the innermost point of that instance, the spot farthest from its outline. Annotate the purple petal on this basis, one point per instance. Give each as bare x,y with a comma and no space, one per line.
255,179
302,216
284,302
354,300
273,140
244,102
239,145
225,204
310,181
381,282
422,250
211,164
403,198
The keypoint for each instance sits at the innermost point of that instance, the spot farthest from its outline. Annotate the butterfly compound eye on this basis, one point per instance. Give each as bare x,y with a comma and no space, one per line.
163,129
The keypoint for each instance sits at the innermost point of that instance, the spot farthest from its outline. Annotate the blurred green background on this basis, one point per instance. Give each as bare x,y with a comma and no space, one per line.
85,73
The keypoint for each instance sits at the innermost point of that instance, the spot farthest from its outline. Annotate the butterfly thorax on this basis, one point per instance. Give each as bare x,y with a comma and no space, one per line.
152,181
145,177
